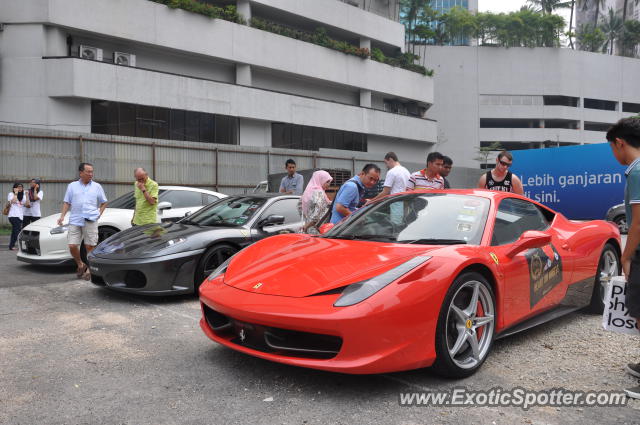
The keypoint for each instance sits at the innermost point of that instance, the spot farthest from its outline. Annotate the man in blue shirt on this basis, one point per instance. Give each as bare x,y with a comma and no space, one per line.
86,201
292,183
624,140
350,194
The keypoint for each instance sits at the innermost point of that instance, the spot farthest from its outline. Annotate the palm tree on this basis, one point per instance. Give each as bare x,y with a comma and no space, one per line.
575,3
547,7
612,28
598,3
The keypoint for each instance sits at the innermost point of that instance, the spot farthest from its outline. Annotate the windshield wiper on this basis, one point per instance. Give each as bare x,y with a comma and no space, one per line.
380,238
221,224
435,241
187,221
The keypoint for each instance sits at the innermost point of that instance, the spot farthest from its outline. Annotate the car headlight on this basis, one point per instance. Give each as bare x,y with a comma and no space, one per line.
221,269
360,291
59,229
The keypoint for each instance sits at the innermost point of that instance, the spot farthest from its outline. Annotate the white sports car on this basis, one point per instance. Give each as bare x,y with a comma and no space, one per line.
44,242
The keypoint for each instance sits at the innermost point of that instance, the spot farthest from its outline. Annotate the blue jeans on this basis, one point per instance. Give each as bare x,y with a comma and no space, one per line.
16,226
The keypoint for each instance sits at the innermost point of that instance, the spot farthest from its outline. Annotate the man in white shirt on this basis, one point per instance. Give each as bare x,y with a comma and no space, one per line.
396,179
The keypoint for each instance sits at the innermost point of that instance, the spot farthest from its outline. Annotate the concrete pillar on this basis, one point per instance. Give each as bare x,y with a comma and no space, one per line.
243,74
365,43
365,98
244,9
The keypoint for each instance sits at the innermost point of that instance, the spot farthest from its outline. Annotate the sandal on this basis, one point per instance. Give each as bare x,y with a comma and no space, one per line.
81,271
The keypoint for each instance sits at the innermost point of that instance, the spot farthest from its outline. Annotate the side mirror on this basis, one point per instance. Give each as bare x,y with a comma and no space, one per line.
529,239
325,228
164,206
272,220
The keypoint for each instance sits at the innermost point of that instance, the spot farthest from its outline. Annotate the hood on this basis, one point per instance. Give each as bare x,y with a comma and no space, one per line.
301,265
149,241
51,221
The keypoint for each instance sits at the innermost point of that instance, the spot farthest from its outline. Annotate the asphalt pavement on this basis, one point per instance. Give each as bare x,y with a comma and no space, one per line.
74,353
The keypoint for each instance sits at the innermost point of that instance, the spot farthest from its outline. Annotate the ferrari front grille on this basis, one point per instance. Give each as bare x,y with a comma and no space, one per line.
272,340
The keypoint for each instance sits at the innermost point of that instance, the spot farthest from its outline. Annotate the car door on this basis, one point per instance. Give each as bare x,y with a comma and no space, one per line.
536,278
288,208
182,202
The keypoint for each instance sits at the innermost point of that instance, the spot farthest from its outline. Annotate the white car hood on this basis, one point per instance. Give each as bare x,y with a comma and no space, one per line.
110,215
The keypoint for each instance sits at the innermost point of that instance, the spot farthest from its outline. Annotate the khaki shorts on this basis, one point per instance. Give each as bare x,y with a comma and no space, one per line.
88,233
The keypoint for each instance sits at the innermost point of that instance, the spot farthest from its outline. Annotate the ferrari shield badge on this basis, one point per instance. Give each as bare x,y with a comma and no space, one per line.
257,285
545,271
495,258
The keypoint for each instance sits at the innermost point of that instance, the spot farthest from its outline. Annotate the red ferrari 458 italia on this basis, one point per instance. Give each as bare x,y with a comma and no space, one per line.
424,278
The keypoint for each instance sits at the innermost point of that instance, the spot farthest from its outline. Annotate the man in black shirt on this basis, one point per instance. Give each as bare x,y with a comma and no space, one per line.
500,178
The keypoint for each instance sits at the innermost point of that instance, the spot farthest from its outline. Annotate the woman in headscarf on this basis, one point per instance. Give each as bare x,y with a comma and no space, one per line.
35,195
18,202
315,202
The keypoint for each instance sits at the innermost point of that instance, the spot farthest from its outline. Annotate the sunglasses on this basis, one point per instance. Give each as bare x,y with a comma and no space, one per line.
506,164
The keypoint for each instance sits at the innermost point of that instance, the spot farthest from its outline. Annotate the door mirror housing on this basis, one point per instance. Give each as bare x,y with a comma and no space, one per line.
529,239
272,220
325,228
164,206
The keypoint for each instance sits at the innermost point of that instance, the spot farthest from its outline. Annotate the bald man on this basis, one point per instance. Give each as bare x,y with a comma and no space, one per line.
145,192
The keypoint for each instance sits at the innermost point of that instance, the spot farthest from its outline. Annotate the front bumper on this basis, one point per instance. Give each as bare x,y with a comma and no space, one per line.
38,246
167,275
375,336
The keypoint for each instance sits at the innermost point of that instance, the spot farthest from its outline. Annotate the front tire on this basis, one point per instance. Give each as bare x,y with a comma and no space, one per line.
621,222
466,326
210,260
608,267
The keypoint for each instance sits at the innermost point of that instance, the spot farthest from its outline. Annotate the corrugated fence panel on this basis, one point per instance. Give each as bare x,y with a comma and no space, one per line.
185,167
54,156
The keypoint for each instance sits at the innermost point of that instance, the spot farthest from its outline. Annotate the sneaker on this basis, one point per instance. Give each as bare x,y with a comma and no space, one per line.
633,392
633,369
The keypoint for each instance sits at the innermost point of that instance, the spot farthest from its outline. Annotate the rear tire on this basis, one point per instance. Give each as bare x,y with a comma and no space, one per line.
210,261
466,326
608,267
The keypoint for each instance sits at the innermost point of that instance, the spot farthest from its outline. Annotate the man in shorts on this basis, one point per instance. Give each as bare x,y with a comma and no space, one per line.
85,199
624,140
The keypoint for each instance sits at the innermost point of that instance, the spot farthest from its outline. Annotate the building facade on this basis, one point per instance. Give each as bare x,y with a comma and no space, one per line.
527,98
139,68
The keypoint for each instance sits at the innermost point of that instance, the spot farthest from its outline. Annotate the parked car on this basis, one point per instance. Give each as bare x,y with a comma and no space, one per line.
174,258
425,278
44,242
618,215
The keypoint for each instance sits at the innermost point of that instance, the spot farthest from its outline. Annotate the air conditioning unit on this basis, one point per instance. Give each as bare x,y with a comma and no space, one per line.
89,52
126,59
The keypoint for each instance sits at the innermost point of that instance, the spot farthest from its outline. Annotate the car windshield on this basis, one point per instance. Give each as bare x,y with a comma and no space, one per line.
419,218
235,211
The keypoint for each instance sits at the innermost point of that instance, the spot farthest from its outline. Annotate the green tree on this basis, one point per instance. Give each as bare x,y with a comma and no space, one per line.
590,39
599,4
612,28
630,38
547,7
483,152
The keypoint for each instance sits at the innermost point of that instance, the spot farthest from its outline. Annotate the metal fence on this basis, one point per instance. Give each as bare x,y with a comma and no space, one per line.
54,156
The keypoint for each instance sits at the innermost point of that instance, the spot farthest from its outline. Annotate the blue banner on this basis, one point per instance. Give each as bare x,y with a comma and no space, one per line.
581,182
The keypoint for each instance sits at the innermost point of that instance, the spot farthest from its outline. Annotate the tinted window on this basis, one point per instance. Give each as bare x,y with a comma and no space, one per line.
515,217
182,198
209,198
285,207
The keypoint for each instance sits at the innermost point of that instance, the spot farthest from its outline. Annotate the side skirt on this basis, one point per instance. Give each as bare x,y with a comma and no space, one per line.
578,296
